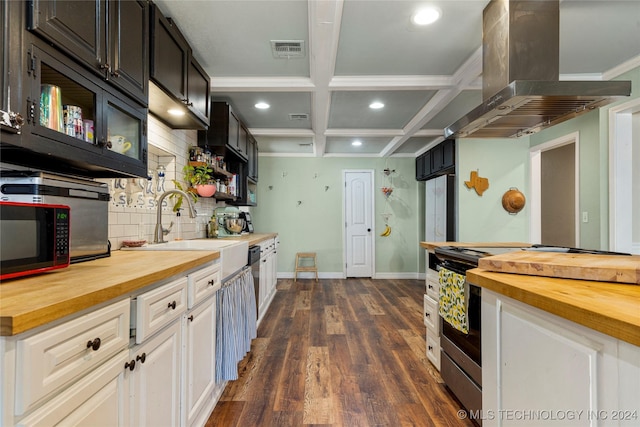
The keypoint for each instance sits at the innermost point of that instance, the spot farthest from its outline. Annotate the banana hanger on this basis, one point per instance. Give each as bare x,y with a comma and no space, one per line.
387,228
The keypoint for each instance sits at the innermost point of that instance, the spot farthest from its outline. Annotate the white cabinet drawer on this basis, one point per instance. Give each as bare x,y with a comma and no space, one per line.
433,288
433,349
52,358
431,320
100,398
157,308
203,283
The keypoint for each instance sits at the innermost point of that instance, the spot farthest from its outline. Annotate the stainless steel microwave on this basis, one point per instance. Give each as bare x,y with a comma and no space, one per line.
34,238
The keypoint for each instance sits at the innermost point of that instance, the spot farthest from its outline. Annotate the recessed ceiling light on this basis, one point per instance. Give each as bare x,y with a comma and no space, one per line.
356,143
176,112
376,105
262,105
426,16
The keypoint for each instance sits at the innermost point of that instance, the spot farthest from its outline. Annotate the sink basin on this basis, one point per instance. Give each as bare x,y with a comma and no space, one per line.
233,253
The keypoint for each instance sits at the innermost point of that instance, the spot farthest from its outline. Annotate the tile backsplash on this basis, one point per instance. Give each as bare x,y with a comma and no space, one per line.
132,210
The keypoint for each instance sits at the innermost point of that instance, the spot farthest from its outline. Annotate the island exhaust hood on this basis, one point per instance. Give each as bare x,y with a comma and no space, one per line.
521,90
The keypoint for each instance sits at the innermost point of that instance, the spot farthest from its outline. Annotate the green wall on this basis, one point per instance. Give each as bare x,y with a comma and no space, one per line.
593,130
504,162
316,224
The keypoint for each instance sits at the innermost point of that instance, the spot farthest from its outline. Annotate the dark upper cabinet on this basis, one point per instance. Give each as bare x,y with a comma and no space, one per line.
246,191
241,148
179,83
437,161
226,135
129,47
116,147
198,89
110,37
252,158
423,166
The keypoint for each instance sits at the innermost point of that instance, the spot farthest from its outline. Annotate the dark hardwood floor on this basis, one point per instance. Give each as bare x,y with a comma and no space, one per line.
340,353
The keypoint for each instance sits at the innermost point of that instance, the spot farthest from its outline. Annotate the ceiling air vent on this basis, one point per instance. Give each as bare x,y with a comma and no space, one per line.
298,116
287,48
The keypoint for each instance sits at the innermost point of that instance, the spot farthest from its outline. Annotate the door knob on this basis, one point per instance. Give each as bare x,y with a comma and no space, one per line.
369,230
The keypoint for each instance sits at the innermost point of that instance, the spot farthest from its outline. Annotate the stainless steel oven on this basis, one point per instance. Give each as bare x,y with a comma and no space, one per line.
460,353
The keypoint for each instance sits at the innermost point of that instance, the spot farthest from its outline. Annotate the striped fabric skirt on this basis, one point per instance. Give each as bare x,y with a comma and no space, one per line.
235,323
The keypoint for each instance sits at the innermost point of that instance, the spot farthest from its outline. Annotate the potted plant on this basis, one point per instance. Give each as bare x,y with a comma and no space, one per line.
200,178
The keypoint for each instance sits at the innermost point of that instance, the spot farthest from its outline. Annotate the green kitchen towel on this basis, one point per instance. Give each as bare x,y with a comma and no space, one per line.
452,299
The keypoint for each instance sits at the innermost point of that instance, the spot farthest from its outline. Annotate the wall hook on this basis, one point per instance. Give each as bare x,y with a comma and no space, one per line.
284,174
271,187
299,202
326,188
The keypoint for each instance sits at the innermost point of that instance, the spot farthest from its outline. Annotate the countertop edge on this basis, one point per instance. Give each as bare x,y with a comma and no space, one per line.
617,324
14,322
431,246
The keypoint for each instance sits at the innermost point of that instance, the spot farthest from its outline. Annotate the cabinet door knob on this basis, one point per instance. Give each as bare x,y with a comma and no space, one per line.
172,305
190,318
130,365
94,345
142,357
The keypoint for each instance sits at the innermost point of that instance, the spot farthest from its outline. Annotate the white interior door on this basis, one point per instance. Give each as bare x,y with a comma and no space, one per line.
624,177
358,214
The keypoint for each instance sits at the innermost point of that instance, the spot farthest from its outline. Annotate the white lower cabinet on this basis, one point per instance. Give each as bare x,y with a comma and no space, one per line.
431,316
539,369
268,274
98,399
143,361
199,377
154,370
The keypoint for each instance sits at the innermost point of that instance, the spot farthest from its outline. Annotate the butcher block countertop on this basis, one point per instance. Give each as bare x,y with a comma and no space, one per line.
610,308
431,246
252,238
34,301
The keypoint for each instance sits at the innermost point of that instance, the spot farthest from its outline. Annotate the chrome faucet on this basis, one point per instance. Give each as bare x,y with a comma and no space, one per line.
159,233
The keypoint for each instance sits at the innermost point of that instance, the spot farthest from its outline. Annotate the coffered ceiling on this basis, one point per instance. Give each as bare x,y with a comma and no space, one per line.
359,51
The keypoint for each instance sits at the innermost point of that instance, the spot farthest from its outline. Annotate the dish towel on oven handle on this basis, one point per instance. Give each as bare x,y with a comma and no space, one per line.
453,299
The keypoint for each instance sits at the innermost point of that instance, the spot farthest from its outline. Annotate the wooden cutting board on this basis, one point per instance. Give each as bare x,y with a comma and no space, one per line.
604,268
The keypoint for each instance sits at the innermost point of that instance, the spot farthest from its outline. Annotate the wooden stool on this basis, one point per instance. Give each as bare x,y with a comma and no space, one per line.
300,267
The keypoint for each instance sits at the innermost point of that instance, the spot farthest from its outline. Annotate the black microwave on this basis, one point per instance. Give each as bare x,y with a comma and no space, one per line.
34,238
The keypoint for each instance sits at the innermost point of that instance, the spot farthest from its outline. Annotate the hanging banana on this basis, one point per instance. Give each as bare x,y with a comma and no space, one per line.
386,232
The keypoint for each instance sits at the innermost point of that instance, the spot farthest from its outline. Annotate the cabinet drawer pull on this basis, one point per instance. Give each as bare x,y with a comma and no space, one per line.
430,348
172,305
212,282
94,345
142,357
428,314
130,365
190,318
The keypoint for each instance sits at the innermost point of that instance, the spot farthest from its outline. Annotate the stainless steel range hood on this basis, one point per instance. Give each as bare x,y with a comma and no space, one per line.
521,90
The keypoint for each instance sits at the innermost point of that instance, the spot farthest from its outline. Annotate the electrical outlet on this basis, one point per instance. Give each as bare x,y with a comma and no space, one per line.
585,216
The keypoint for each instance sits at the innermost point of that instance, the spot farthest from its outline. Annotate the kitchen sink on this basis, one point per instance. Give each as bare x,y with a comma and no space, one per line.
233,253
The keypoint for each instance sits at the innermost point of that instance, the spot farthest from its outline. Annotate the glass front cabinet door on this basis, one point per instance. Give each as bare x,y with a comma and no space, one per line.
77,123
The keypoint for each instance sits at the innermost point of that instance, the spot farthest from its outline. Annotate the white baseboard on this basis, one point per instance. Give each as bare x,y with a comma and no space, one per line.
397,276
340,275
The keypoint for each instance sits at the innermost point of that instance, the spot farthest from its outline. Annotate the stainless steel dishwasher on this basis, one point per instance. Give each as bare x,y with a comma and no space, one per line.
254,263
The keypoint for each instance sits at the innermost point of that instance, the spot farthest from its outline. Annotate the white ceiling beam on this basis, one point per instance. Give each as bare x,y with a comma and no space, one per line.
324,32
364,132
467,73
391,82
287,132
261,84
